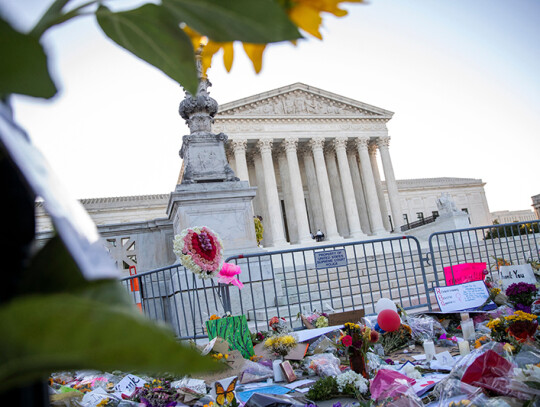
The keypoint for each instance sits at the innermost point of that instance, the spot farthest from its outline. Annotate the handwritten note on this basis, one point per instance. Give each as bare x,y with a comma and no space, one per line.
129,384
516,274
464,273
462,296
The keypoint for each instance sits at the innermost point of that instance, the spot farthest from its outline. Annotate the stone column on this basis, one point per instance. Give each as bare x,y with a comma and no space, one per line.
377,226
372,149
337,194
329,216
239,148
359,192
286,190
391,184
290,145
317,216
340,144
275,221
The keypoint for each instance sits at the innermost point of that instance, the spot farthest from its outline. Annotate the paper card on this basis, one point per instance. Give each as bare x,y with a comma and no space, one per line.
516,274
95,397
464,273
244,396
462,296
298,352
445,359
129,384
426,383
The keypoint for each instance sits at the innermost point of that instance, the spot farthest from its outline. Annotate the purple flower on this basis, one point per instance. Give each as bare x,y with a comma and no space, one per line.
338,404
524,308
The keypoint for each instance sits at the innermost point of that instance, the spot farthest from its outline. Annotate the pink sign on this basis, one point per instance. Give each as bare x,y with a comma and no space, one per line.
464,273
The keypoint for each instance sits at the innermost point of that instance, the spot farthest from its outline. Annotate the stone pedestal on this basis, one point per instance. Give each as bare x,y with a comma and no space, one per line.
224,207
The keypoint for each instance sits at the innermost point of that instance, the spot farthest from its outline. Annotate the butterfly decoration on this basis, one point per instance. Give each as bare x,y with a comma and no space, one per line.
224,397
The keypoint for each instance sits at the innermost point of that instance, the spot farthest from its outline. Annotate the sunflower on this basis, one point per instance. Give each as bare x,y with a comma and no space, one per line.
305,14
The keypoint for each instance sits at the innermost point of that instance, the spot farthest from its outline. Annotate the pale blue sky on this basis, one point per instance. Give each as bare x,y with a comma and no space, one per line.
462,77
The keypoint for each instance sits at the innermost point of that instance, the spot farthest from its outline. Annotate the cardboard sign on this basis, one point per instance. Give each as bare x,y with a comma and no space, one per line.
330,258
516,274
462,296
340,318
235,331
464,273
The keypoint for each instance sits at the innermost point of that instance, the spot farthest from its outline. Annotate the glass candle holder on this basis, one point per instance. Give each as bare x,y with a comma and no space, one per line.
429,349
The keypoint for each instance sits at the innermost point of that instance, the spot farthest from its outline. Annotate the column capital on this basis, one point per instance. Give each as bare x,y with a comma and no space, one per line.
290,144
304,148
239,144
340,142
362,142
372,148
317,143
265,145
383,142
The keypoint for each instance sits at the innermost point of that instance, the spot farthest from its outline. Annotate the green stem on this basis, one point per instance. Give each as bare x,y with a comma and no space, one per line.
53,16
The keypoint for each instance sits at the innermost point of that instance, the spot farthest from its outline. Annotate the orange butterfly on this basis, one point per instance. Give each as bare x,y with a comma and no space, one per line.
225,396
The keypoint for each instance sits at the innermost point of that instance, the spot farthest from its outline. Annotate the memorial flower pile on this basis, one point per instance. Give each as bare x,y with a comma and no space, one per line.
521,295
200,250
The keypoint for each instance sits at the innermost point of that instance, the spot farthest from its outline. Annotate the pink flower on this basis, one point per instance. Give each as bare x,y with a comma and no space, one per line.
228,273
346,340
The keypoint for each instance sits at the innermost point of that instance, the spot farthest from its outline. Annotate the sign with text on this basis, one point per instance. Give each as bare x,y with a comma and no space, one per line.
464,273
330,258
516,274
461,297
129,384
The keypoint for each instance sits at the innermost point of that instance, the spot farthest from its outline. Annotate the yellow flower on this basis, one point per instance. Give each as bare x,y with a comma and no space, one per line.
494,323
226,356
306,13
521,316
210,404
495,291
509,348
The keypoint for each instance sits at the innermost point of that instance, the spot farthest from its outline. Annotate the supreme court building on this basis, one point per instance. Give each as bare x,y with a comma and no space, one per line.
312,155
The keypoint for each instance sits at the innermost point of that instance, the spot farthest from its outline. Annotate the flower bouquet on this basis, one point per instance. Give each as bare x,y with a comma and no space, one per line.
315,320
521,295
396,340
358,340
200,250
281,344
515,329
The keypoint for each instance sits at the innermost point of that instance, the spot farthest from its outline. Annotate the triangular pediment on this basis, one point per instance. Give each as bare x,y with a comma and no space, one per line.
300,100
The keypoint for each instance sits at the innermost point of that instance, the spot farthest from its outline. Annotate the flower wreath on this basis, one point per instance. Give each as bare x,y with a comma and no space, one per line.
200,250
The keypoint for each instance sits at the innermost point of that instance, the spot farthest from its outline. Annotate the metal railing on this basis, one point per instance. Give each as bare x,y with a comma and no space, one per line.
337,277
421,222
514,242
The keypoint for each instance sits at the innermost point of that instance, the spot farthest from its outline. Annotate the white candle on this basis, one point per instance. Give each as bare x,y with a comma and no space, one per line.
429,349
464,348
467,327
278,373
464,316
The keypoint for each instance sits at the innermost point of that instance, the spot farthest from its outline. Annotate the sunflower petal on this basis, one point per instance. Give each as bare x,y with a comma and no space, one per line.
255,53
306,18
228,55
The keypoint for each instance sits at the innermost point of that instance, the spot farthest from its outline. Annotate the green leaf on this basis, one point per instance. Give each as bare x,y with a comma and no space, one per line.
43,334
53,270
251,21
23,68
153,35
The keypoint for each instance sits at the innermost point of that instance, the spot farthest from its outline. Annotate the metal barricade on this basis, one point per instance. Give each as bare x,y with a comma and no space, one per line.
337,277
514,242
174,295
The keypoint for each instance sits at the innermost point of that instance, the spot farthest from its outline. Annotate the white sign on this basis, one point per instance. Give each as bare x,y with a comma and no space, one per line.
445,359
129,384
516,274
461,297
330,258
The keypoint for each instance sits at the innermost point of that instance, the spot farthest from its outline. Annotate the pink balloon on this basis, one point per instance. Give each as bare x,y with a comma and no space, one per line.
389,320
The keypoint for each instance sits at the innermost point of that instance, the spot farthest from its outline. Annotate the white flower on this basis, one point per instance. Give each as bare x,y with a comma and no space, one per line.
354,379
410,371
